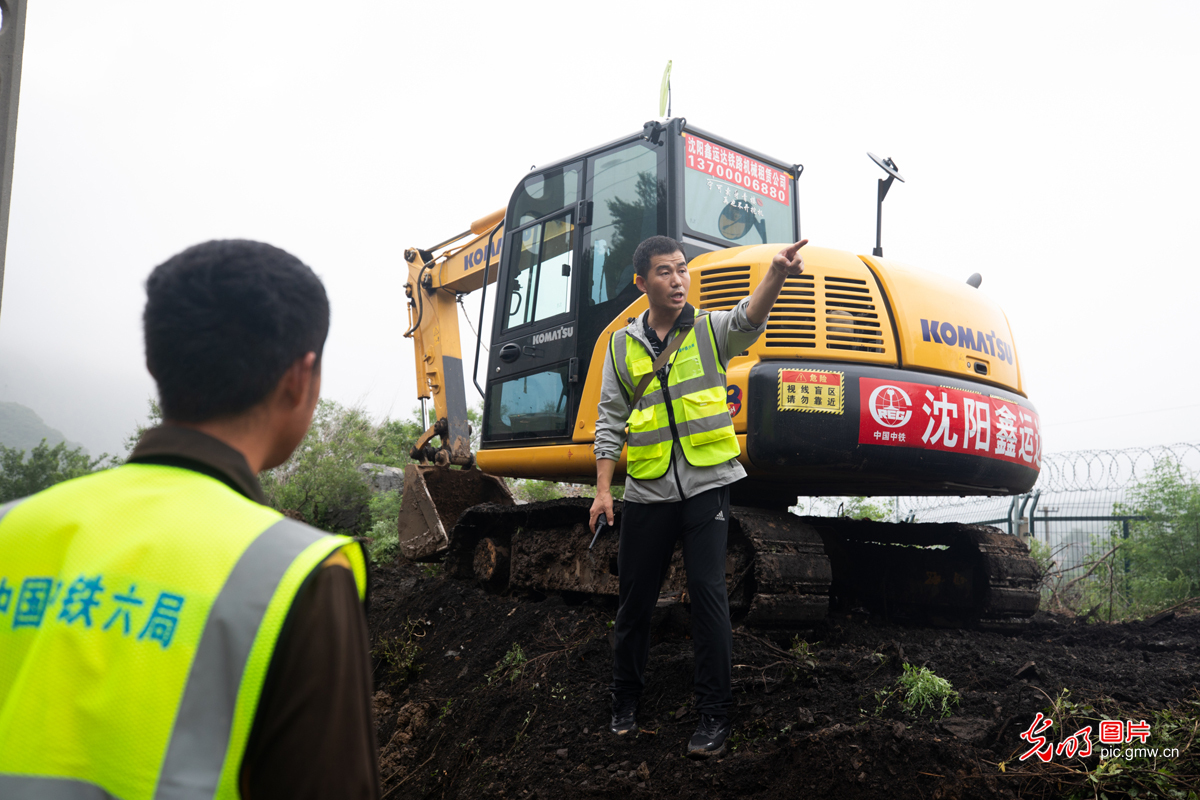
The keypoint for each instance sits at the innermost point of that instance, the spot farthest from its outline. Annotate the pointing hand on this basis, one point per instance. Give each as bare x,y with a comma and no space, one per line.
788,260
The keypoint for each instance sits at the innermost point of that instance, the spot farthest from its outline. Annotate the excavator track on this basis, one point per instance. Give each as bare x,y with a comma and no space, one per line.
776,570
929,573
788,583
781,570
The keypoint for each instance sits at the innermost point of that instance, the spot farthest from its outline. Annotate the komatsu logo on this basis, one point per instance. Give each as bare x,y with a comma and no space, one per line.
949,334
565,332
480,254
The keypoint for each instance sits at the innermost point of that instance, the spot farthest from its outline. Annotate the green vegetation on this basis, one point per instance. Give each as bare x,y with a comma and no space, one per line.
321,479
804,655
510,666
876,508
921,693
1156,567
400,652
153,420
23,474
384,534
34,456
1040,552
524,727
1162,552
532,491
803,651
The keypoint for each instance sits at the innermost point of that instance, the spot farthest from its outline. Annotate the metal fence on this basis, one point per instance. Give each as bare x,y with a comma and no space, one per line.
1075,499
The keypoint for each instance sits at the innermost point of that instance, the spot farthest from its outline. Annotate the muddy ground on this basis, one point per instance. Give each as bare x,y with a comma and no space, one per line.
465,716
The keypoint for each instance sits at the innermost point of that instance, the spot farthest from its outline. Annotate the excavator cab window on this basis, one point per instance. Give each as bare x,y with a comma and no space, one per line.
545,193
540,274
568,269
541,284
529,406
628,205
627,189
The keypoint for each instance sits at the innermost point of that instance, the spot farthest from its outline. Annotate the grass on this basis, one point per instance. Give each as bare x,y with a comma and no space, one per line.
921,694
510,666
803,651
524,727
400,652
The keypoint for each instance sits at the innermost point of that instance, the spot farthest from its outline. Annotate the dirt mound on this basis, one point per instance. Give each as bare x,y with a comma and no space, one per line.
507,697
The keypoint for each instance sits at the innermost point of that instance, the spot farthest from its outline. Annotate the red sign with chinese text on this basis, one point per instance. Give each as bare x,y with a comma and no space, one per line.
902,414
721,162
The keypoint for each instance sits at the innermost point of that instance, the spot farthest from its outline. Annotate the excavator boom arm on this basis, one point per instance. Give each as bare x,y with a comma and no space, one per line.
464,264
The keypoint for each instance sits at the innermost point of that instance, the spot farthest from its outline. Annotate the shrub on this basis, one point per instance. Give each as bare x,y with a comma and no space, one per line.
321,479
23,474
385,538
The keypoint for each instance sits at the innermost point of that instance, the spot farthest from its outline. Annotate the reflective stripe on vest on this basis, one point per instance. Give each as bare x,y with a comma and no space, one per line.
696,384
139,609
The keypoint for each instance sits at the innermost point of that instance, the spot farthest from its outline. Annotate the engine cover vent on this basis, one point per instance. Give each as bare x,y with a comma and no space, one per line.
793,321
722,287
852,319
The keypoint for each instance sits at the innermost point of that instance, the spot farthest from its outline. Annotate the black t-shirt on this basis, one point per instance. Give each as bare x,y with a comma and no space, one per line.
686,318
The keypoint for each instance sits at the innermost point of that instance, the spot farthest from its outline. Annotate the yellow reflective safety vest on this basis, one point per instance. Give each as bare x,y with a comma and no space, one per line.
139,610
695,392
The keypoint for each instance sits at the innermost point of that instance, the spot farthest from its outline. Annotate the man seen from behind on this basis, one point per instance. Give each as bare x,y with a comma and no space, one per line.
168,635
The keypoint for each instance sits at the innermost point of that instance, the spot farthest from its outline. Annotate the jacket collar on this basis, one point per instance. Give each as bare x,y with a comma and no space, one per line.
176,446
636,327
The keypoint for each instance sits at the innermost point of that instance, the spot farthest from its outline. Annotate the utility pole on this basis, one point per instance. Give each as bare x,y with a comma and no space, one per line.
12,45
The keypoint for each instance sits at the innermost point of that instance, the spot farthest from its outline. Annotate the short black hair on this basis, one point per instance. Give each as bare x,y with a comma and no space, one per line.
654,246
223,322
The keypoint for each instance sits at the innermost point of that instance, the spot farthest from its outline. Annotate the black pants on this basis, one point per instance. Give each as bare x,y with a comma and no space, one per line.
648,536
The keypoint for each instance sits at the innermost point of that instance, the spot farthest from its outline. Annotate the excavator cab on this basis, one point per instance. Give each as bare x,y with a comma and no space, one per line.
567,261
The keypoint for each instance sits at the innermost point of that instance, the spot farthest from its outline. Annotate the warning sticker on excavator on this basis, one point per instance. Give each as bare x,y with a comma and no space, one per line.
721,162
816,390
903,414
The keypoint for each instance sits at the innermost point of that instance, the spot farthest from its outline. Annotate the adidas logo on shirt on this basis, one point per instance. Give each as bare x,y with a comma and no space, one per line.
720,516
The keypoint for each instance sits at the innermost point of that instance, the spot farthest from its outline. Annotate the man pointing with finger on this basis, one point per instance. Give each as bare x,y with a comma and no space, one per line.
665,380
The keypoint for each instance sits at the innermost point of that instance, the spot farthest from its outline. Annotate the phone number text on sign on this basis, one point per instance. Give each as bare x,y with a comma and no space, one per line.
713,159
905,414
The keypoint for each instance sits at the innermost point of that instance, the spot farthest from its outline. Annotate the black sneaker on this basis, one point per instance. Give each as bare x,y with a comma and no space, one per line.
624,716
709,739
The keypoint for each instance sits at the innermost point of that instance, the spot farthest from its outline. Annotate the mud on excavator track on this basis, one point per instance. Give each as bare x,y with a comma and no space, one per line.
781,570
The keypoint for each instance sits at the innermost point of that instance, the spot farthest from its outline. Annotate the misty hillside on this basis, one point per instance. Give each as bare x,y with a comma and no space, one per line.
22,428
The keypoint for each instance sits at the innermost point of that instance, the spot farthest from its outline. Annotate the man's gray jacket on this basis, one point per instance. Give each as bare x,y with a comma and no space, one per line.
734,333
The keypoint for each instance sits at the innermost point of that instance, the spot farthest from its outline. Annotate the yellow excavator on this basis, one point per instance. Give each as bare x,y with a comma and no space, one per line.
872,378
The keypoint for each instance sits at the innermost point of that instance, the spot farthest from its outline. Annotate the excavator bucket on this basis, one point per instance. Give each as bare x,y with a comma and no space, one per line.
434,498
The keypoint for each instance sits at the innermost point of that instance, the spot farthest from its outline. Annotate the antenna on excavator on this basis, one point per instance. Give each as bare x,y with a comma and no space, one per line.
888,166
664,93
